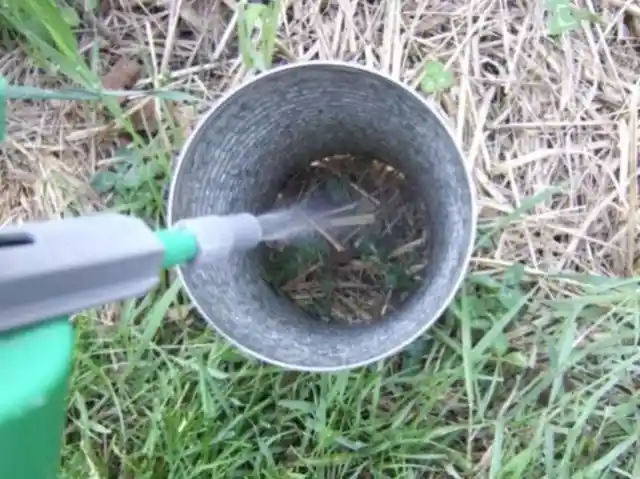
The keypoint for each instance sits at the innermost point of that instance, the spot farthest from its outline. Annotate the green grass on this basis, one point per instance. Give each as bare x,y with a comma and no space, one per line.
513,382
498,390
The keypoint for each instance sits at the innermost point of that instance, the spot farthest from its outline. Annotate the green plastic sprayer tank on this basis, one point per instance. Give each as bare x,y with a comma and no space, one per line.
50,270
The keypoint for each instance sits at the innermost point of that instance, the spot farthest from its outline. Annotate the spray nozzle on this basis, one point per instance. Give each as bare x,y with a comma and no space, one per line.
217,236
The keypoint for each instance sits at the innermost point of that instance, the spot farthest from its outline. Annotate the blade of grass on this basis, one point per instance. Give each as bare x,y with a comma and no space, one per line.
22,92
496,449
606,461
498,327
153,321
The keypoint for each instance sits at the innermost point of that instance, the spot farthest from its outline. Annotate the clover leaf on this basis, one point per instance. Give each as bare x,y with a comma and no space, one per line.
436,77
562,17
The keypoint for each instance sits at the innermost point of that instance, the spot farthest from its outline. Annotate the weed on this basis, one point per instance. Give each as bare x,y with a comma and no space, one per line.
358,273
257,29
565,17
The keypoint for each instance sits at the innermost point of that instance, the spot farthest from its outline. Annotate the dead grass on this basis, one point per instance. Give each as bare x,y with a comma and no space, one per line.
531,111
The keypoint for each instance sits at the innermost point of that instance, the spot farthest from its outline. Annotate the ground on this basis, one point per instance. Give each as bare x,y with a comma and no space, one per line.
534,370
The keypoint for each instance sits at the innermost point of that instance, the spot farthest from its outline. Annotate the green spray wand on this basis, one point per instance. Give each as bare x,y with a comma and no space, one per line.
52,269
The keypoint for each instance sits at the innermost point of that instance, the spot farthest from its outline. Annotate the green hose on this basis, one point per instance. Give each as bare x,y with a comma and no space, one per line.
180,246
